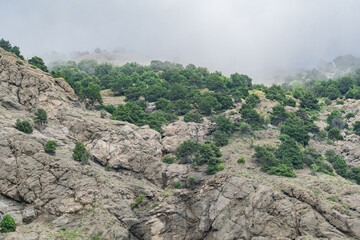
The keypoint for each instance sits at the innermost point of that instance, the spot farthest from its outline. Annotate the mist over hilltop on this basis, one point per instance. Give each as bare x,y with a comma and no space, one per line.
251,37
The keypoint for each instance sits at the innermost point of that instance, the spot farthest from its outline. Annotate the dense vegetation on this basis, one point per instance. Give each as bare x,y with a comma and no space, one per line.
7,224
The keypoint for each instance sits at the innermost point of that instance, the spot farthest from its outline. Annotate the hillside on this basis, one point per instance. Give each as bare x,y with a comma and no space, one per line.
127,191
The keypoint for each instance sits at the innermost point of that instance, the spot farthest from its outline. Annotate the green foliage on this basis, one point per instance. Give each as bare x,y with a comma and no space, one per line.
220,138
23,126
38,62
177,185
19,62
275,92
50,147
356,127
330,155
328,101
185,152
350,115
252,117
7,224
92,93
107,167
252,100
340,102
278,115
169,160
308,100
341,167
193,117
192,179
335,134
137,201
265,158
41,117
311,156
289,102
295,128
80,153
241,160
208,103
282,170
7,47
290,154
224,124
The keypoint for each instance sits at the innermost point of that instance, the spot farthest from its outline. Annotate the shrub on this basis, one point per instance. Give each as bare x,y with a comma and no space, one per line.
341,167
177,185
290,102
107,167
282,170
241,160
340,102
39,63
213,168
186,151
289,153
330,155
192,179
356,127
41,117
7,224
328,101
253,100
19,62
50,147
193,117
168,160
80,153
278,115
220,138
335,134
137,201
245,128
350,115
24,126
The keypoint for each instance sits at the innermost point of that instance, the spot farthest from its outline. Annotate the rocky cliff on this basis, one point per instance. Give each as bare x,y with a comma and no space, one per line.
55,197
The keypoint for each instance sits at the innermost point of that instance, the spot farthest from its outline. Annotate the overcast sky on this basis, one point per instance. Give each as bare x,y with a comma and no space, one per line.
245,36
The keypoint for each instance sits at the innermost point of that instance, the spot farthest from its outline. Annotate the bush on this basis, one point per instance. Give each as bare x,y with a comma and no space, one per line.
241,160
137,202
290,154
186,151
41,117
177,185
340,102
220,138
50,147
168,160
212,169
24,126
193,117
335,134
328,102
350,115
341,167
356,127
39,63
192,179
80,153
290,102
282,170
278,115
253,100
330,155
245,128
7,224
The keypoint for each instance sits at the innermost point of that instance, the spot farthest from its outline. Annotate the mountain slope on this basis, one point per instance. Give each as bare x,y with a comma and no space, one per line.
55,197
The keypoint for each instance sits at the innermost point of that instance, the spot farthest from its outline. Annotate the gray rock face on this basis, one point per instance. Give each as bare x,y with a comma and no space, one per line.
28,214
177,132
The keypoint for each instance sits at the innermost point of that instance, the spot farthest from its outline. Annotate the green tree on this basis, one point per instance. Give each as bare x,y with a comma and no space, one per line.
41,118
208,104
308,100
220,138
38,62
252,117
92,92
290,154
278,115
5,45
186,151
50,147
345,83
252,100
335,134
341,167
193,117
7,224
356,127
80,153
23,126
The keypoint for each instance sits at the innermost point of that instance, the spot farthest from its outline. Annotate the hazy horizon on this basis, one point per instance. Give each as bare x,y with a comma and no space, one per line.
250,37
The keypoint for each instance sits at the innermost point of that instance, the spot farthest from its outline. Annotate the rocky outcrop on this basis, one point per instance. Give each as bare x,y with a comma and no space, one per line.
177,132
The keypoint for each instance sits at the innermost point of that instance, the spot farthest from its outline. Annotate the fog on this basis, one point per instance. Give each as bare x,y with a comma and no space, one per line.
253,37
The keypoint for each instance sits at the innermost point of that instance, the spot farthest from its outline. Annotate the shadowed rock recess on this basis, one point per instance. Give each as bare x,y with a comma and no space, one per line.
55,197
